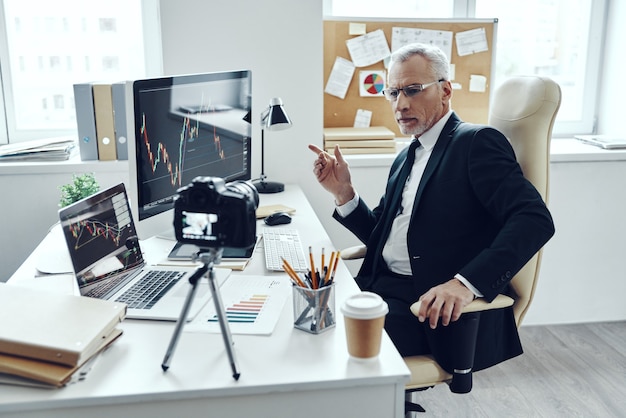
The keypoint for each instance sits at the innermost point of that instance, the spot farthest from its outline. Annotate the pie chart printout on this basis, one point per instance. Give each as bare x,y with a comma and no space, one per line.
373,83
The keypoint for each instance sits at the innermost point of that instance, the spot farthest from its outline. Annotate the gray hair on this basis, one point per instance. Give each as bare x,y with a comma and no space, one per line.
438,61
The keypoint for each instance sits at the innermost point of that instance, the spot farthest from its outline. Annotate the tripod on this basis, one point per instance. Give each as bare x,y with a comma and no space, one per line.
208,257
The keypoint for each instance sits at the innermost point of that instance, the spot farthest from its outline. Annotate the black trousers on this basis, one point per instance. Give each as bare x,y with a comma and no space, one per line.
406,332
497,340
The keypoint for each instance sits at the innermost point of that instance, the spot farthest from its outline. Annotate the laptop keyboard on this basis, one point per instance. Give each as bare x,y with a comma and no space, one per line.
147,292
106,286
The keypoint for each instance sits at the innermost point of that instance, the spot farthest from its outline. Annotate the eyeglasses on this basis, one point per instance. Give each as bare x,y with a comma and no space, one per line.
409,91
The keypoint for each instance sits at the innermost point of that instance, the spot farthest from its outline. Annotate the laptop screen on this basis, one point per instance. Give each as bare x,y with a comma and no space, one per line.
101,236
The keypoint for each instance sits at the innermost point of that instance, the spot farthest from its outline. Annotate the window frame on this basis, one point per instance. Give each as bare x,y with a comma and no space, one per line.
153,57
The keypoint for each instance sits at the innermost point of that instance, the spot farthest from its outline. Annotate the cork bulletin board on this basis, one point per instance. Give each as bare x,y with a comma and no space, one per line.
471,104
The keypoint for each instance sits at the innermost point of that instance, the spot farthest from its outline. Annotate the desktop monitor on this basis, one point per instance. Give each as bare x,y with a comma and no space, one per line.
181,127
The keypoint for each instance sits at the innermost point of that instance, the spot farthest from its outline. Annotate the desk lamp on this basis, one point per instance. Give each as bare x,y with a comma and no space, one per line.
273,118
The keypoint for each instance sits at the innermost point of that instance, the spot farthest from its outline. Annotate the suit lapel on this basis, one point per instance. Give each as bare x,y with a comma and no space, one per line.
435,158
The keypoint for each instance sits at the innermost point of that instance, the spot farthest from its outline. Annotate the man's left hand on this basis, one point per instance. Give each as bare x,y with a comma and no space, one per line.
445,301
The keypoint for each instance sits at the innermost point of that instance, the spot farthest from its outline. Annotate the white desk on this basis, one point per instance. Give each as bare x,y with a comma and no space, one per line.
288,374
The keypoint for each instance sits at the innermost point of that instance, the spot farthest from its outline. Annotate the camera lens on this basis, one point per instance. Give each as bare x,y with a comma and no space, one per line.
246,188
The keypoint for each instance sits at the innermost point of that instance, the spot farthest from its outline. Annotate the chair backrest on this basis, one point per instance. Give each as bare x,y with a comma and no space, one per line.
524,109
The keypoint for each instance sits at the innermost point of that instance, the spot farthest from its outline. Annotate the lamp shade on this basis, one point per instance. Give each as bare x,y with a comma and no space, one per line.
276,118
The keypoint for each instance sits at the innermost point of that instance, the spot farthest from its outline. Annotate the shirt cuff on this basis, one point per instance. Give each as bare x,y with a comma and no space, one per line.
467,284
348,207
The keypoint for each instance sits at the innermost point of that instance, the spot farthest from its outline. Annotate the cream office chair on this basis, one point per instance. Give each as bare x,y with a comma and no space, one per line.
523,109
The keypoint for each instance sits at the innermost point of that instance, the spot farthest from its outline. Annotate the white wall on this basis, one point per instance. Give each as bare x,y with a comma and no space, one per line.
281,42
583,270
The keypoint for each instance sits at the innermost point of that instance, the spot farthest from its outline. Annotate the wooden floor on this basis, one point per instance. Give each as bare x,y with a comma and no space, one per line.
565,371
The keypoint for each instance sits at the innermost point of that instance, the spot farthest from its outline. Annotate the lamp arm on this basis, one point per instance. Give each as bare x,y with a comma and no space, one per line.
263,176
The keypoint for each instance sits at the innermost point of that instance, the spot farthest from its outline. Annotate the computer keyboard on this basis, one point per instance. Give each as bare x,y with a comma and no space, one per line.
283,243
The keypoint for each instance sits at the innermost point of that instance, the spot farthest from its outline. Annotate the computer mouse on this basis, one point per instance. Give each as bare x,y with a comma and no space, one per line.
278,218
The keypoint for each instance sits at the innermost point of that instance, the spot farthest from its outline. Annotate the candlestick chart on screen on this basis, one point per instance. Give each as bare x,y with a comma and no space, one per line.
175,157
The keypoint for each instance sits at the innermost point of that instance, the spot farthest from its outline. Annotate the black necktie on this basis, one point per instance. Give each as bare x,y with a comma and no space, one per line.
396,197
394,200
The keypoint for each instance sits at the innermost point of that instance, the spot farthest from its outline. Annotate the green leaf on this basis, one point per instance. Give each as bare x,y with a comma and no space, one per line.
83,185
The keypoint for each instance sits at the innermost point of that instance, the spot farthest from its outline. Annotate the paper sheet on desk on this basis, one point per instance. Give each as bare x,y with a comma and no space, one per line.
253,305
53,256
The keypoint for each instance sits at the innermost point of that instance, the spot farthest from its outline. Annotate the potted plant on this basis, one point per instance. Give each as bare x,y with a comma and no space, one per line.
82,185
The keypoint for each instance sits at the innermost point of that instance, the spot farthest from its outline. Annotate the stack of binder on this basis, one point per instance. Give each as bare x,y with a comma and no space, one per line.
101,120
47,339
52,149
372,140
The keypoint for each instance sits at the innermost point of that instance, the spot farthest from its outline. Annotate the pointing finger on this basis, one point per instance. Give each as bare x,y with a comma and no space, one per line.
315,149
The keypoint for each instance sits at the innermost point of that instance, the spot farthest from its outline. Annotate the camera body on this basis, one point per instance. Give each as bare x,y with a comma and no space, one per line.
212,214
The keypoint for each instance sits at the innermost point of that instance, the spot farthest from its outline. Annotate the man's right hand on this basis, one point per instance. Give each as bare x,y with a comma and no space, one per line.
333,173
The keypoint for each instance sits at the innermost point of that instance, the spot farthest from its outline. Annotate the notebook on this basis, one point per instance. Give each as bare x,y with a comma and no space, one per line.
108,262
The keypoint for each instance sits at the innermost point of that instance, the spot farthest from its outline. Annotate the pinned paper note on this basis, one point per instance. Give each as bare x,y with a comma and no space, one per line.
356,29
471,42
478,83
401,36
368,49
340,78
363,118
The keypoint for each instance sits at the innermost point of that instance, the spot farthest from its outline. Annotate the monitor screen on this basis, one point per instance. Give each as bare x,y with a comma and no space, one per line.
184,126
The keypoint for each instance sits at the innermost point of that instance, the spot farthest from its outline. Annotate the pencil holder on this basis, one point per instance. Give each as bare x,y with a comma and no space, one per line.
314,309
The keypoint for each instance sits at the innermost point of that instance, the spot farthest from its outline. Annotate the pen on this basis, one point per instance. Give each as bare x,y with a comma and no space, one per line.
322,267
313,276
307,280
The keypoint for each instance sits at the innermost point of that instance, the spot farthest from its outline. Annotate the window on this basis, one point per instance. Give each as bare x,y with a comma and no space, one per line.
46,47
391,8
560,39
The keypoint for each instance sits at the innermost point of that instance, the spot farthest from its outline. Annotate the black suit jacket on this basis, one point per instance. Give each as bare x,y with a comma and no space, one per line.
474,214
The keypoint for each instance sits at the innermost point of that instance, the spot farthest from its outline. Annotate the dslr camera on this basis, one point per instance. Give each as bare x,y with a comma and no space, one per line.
212,214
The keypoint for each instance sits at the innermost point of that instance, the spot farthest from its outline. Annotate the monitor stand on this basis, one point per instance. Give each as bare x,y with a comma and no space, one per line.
168,234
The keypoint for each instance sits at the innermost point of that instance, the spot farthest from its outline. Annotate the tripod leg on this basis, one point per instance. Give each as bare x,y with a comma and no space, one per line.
219,310
183,316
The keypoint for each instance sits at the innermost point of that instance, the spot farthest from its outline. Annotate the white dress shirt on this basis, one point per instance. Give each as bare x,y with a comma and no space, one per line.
395,251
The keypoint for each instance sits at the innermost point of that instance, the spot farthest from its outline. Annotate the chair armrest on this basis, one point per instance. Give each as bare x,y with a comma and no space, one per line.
477,305
463,334
353,253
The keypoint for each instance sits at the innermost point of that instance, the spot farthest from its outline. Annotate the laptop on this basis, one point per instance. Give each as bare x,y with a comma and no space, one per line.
603,141
108,262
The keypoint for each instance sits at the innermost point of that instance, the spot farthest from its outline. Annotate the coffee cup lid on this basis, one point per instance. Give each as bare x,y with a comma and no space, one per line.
365,305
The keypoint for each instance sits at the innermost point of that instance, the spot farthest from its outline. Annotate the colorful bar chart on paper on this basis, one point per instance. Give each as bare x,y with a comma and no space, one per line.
246,310
252,305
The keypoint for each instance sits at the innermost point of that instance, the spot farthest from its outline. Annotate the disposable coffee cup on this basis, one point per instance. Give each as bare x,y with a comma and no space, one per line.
364,315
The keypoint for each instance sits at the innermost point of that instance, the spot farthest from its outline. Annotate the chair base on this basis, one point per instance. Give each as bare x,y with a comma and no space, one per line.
409,405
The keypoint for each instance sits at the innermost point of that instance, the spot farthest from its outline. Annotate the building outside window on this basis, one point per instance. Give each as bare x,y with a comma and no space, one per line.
46,47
